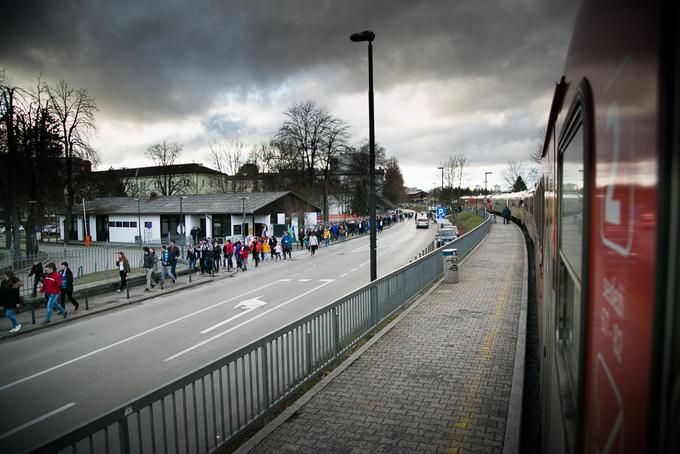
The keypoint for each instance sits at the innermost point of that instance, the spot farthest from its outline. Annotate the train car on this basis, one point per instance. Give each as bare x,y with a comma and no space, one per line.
605,222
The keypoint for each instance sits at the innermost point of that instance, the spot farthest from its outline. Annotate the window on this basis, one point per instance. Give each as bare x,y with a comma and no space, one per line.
112,224
571,277
119,224
126,223
133,224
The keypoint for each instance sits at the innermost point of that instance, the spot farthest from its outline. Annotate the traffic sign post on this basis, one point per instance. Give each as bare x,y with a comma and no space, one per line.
441,212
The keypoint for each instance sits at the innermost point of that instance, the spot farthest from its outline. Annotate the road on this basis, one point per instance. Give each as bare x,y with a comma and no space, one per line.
57,379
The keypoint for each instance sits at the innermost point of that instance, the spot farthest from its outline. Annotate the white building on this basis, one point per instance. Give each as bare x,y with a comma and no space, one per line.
126,220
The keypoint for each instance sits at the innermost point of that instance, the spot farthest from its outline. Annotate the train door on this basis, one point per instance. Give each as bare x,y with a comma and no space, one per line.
573,190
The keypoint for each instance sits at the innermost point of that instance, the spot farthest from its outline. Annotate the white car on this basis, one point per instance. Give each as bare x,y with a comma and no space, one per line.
422,222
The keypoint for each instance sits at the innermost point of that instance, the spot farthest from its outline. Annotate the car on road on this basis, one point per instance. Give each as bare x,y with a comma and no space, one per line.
51,230
422,222
446,235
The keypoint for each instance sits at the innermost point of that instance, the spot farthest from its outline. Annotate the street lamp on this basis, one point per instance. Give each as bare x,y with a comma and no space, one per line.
369,36
139,222
243,222
442,189
485,202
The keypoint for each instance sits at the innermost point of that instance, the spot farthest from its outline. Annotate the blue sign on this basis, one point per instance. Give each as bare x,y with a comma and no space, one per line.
441,212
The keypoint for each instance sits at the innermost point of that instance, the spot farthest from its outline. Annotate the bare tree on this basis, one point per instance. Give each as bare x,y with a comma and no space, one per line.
226,156
75,110
164,155
453,170
335,141
304,132
525,169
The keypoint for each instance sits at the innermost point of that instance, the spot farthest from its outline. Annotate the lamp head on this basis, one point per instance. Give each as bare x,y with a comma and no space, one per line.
366,35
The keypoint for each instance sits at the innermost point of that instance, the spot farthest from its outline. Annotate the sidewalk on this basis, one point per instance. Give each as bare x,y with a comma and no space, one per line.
441,378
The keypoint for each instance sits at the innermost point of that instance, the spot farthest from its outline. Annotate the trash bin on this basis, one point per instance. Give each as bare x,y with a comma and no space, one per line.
450,257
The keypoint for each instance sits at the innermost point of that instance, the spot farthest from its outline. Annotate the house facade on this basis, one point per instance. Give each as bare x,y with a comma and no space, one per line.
156,219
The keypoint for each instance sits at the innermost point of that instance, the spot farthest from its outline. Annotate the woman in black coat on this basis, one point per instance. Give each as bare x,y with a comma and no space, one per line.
9,297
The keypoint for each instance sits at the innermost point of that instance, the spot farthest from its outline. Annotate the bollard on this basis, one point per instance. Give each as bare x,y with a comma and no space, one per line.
190,273
87,302
127,291
450,258
32,313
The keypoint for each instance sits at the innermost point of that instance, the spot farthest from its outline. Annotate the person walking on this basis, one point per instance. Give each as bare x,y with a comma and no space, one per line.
313,243
174,255
148,268
237,253
9,297
191,257
272,245
255,251
123,269
52,288
506,215
327,236
286,244
67,286
166,265
229,254
208,250
244,257
266,251
217,256
200,254
37,273
277,252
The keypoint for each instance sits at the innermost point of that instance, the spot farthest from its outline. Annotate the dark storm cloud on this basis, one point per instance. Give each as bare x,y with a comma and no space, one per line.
170,58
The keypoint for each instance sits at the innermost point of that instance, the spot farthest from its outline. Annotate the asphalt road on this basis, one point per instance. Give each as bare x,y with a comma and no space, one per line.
57,379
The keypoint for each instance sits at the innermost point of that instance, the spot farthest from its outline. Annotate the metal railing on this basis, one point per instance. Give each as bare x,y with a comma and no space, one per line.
209,407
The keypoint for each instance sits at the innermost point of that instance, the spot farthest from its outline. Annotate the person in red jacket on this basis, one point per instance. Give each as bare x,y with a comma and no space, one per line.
243,253
52,289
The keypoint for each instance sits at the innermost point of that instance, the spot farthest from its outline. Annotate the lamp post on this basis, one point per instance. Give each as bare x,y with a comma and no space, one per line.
442,188
485,202
369,36
243,222
139,222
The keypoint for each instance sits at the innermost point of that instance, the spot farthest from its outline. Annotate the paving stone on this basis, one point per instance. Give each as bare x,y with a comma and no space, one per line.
439,381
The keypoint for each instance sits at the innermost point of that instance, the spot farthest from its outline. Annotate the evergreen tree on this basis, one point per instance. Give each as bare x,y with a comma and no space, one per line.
519,185
359,204
393,184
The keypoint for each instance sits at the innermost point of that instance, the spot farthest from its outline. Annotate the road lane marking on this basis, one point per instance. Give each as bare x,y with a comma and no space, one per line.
304,280
127,339
250,305
343,275
363,264
326,280
262,314
353,270
285,280
36,420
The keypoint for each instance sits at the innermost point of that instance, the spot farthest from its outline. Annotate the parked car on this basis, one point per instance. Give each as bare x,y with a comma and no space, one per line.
446,235
422,222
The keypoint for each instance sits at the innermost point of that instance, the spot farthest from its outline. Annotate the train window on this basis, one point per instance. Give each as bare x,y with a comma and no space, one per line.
571,203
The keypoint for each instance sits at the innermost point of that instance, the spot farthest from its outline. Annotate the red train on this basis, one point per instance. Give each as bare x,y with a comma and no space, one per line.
605,218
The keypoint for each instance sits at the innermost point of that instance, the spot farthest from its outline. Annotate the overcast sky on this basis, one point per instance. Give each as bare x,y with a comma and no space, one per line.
454,76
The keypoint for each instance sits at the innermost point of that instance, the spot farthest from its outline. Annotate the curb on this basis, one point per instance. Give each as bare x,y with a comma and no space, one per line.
289,412
513,427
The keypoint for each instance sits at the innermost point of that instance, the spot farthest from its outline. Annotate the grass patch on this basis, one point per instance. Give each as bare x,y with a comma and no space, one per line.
465,221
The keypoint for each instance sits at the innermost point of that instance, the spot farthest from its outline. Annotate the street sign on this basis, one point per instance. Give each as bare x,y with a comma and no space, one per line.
180,229
441,212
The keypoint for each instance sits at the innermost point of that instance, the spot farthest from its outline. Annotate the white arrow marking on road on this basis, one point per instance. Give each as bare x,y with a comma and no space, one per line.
304,280
135,336
249,305
36,420
245,322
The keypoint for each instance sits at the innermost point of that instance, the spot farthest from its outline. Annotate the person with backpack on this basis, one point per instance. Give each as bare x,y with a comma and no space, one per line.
9,297
52,289
37,273
123,269
67,286
148,267
166,265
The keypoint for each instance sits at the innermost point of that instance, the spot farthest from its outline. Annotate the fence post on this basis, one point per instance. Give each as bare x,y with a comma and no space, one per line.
374,307
265,376
124,435
336,334
308,347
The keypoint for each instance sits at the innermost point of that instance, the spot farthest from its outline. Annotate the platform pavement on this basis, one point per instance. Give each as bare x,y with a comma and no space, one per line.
439,380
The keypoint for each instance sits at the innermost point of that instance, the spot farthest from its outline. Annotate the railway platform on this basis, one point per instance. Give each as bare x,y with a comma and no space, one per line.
445,376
